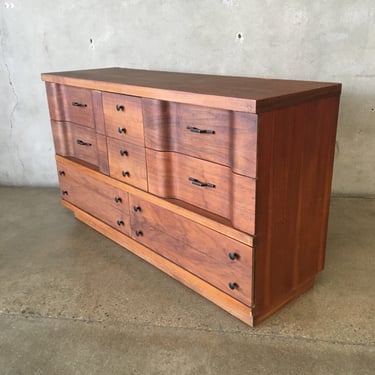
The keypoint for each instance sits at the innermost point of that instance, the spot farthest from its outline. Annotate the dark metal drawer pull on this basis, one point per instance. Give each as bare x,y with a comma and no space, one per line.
82,143
138,233
120,107
124,153
194,181
137,208
233,256
64,192
78,104
193,129
233,285
125,173
120,222
118,200
121,130
61,173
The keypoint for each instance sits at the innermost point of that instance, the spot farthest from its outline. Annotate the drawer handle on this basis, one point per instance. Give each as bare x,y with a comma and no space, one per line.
120,107
64,192
124,153
121,130
193,129
196,182
137,208
61,173
78,104
125,173
138,233
120,222
82,143
118,200
233,285
233,256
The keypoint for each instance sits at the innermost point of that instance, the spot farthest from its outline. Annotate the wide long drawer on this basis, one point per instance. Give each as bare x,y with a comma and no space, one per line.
219,260
223,137
209,186
97,198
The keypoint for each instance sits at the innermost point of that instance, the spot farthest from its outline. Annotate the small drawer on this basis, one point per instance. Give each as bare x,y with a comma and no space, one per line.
219,260
223,137
123,117
75,141
209,186
95,197
127,163
73,104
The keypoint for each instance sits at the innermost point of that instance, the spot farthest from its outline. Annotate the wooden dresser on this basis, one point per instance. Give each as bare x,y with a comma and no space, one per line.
221,182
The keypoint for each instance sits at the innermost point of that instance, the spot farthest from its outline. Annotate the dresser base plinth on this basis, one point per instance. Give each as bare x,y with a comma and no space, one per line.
227,303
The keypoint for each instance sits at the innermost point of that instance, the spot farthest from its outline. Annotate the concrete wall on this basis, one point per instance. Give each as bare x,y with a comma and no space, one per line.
314,40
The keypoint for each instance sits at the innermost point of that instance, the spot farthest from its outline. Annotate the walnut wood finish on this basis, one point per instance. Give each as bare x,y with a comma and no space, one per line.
198,249
168,177
66,135
226,302
70,104
242,94
295,162
123,118
186,210
127,163
231,140
95,197
257,181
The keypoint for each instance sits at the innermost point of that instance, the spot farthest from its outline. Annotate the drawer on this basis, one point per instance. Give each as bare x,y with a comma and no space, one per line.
219,260
123,117
95,197
73,104
209,186
223,137
76,141
127,163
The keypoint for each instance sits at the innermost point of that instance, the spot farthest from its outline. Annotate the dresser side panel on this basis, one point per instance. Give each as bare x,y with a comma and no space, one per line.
295,163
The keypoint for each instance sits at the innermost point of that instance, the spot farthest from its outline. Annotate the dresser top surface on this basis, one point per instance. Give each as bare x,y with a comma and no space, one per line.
228,92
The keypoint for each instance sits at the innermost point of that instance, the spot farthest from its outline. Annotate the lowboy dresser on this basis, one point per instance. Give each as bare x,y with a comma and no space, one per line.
221,182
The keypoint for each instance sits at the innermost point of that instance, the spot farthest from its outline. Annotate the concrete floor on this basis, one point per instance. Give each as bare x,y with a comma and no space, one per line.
72,302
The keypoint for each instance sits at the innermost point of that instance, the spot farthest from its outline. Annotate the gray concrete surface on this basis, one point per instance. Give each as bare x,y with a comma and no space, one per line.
74,302
315,40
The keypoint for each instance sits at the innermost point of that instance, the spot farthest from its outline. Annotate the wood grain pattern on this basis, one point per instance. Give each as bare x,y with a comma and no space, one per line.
226,302
231,141
65,137
84,144
295,162
98,112
127,116
130,158
183,211
194,247
63,105
102,148
168,177
95,197
244,94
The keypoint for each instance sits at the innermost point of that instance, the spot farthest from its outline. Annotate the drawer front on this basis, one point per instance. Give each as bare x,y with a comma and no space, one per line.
223,137
123,117
75,141
67,103
95,197
182,177
127,163
219,260
212,187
